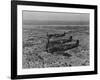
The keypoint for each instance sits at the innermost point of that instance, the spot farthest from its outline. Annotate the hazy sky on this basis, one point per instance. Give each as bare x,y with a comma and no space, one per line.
44,18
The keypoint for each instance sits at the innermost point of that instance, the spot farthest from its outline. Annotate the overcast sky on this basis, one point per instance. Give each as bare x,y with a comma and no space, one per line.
53,18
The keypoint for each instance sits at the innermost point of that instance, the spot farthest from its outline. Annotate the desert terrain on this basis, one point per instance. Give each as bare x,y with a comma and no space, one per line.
35,40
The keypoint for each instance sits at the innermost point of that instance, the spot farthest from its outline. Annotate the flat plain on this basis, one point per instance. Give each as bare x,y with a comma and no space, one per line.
35,40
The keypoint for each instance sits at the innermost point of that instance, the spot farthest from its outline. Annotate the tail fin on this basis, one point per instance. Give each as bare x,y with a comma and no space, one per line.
70,38
77,42
64,32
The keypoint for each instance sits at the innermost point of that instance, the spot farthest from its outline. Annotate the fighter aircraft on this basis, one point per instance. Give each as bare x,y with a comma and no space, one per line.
63,47
61,41
56,35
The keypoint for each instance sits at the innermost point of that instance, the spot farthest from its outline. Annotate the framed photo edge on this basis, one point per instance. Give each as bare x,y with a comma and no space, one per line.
14,39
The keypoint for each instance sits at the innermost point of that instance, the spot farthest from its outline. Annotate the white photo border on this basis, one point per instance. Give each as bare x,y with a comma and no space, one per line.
21,71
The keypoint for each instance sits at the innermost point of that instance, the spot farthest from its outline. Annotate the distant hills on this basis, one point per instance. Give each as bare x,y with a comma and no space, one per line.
57,27
30,22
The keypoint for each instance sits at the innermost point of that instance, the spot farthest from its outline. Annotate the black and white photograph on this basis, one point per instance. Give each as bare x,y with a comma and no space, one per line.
53,39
